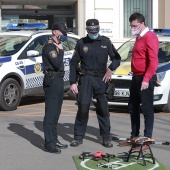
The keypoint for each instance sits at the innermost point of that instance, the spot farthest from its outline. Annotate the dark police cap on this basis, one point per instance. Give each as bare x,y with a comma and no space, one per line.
60,26
92,26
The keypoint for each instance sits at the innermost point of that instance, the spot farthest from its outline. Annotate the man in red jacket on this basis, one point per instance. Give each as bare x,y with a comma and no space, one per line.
143,65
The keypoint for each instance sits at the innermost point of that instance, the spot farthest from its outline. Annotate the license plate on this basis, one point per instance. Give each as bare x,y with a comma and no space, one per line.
121,93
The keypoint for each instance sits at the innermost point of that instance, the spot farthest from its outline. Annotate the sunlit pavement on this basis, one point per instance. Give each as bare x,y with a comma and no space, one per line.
21,136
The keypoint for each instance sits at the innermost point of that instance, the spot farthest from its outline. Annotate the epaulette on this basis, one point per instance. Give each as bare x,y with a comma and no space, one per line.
81,38
105,37
50,40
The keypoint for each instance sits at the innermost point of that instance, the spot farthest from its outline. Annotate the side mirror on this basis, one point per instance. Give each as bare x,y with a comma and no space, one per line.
32,53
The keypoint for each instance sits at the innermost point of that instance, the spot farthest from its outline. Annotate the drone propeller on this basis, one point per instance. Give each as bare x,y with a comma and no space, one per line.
85,154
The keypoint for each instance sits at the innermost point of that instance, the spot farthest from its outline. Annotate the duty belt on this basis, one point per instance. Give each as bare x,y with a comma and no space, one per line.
58,73
93,73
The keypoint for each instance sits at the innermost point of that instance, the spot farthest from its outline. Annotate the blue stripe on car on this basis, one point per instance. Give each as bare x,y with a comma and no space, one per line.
5,59
30,69
163,68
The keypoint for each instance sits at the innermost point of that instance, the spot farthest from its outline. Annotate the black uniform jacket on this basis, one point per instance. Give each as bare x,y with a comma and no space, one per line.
52,57
93,56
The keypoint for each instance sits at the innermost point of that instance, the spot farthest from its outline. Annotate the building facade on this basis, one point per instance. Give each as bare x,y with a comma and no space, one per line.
112,14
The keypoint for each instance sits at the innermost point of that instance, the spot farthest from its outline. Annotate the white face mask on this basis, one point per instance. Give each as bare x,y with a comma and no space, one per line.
136,31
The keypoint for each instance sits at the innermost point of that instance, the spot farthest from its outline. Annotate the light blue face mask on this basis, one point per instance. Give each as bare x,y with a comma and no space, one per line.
93,36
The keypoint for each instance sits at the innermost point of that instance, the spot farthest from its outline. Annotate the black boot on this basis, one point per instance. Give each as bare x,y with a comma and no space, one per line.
76,142
52,149
60,145
107,143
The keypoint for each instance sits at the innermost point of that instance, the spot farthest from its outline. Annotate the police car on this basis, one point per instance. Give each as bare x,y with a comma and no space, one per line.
121,78
21,69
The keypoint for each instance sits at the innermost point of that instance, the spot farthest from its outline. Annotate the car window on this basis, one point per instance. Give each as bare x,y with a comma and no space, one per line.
69,44
10,44
72,43
125,51
164,52
65,45
37,44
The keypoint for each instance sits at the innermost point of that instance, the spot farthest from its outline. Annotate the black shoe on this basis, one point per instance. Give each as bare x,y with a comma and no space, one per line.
60,145
107,143
53,149
76,142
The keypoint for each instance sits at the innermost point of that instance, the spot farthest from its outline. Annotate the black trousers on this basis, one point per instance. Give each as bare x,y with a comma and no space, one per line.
89,86
53,103
145,98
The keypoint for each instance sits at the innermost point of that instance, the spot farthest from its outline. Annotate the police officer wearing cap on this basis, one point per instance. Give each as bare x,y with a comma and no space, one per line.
52,55
92,53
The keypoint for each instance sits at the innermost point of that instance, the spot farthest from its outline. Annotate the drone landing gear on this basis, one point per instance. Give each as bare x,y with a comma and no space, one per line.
141,144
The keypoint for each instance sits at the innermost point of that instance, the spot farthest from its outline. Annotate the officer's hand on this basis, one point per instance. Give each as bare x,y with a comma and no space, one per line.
107,76
144,85
59,46
74,88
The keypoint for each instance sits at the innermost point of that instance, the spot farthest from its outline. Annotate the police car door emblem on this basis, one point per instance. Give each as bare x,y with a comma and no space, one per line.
37,68
53,54
85,49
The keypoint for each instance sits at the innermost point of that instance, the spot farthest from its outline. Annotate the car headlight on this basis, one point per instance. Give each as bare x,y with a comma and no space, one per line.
161,76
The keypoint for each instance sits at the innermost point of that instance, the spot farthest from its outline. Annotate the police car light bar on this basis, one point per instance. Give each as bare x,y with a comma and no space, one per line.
160,31
26,26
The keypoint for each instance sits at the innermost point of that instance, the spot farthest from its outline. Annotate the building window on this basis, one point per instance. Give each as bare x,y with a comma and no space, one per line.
142,6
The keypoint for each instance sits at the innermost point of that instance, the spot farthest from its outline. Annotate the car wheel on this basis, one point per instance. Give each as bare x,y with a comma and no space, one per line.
167,106
10,94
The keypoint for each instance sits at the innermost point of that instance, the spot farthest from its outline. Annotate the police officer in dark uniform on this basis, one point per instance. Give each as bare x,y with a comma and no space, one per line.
52,55
92,52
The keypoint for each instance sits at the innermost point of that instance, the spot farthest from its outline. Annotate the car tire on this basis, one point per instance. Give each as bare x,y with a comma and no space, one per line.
167,106
10,97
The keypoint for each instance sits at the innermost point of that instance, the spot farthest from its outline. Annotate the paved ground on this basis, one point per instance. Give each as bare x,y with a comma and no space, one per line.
21,136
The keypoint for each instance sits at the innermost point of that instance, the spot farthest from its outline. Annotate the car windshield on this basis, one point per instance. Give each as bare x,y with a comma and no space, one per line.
125,51
10,44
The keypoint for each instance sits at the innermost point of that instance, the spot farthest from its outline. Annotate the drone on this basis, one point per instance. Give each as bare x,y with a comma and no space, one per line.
84,155
96,156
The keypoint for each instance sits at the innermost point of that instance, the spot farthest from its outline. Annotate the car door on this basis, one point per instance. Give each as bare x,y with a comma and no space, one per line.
33,66
68,47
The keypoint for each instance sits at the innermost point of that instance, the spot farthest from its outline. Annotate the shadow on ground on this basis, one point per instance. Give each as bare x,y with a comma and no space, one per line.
38,99
65,131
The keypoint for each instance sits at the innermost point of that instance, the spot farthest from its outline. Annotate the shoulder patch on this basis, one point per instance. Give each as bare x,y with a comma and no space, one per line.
105,37
50,40
53,54
80,39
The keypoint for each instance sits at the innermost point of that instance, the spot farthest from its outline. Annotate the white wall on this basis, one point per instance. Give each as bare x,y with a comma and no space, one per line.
155,14
81,17
108,12
0,16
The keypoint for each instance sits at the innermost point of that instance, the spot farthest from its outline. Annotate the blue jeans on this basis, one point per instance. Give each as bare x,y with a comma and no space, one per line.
145,98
